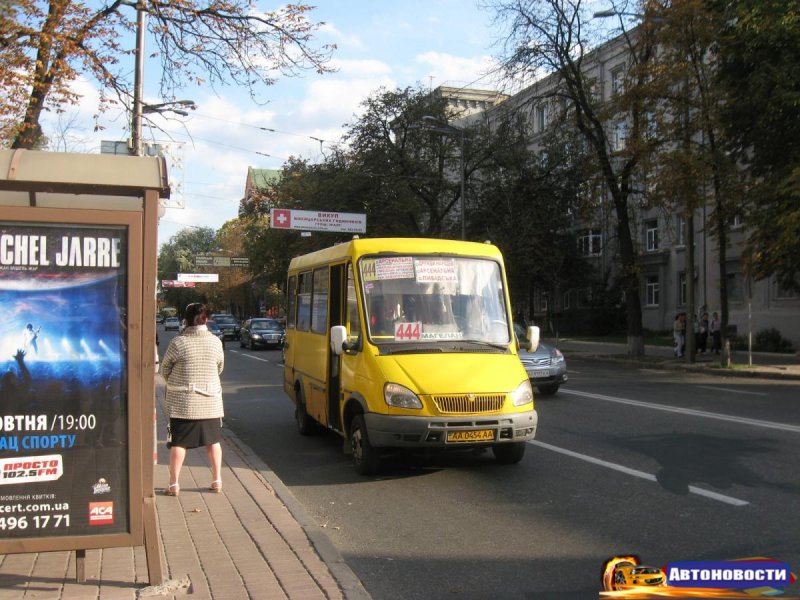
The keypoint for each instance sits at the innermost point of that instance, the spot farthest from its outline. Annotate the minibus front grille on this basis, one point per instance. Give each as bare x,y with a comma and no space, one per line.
469,403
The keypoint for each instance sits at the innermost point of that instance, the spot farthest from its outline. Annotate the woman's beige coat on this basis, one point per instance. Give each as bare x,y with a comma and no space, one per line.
191,367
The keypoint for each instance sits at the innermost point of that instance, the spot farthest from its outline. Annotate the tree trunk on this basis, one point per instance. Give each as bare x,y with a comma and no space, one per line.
630,276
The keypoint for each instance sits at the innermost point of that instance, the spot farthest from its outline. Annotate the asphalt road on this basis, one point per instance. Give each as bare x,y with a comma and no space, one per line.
667,466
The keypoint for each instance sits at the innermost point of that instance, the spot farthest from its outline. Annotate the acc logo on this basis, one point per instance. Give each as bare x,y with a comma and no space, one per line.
101,513
101,487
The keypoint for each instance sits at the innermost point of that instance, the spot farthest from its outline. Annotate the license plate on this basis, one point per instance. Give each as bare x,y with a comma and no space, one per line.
478,435
538,374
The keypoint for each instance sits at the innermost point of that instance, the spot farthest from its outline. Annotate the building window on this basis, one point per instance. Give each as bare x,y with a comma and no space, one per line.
617,81
651,234
682,288
565,300
619,135
589,242
541,118
785,293
737,221
652,290
681,233
735,287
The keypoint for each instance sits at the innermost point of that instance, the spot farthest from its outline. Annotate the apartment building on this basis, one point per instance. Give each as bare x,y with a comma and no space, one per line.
659,234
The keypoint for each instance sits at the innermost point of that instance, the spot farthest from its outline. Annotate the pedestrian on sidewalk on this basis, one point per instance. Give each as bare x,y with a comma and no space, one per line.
191,368
702,333
716,334
679,334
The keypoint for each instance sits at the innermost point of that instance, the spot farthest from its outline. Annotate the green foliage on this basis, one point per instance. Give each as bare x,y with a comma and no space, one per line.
177,256
771,340
759,58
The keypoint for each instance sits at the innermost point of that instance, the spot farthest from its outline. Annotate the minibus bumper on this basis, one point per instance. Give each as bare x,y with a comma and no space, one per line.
427,432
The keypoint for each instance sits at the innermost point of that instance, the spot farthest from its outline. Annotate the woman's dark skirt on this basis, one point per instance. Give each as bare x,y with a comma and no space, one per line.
194,433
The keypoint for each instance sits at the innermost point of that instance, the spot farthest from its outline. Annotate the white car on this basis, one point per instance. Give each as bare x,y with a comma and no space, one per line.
172,324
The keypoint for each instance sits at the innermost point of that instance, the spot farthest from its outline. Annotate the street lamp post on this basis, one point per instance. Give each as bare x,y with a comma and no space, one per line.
139,107
433,124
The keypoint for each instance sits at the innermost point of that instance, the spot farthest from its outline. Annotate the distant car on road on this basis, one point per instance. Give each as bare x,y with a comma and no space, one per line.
172,324
214,328
229,325
546,367
261,333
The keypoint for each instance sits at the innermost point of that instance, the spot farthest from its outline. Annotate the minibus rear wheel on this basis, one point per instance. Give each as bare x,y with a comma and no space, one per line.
509,453
366,458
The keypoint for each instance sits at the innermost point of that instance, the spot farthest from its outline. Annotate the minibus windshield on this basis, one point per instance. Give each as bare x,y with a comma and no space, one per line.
426,298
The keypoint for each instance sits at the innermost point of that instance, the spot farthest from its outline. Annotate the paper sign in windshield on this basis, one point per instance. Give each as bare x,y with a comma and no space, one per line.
394,267
435,270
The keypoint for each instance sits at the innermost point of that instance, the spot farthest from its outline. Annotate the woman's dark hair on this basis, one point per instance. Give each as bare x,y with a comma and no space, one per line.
196,314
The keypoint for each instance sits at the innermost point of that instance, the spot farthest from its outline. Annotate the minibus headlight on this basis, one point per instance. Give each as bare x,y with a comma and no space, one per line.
400,396
523,394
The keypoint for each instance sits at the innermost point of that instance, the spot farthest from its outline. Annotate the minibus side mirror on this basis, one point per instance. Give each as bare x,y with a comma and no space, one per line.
339,343
532,343
338,338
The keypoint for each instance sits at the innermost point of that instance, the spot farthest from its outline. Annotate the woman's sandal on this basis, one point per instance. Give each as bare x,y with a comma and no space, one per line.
216,486
173,490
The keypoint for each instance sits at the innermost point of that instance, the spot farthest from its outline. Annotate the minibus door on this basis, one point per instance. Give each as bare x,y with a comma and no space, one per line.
336,307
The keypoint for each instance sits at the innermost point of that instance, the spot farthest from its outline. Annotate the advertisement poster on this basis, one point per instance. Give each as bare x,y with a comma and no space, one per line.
63,380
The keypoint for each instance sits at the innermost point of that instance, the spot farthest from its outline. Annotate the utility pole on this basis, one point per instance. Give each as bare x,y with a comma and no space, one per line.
138,81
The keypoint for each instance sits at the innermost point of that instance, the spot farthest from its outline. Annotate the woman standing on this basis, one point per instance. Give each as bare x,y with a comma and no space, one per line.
191,367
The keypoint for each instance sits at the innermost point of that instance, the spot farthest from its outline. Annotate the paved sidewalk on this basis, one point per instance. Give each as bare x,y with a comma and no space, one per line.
254,540
766,365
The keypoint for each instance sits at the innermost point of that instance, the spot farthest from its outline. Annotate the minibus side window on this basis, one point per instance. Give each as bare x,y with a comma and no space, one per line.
304,286
354,324
291,301
319,316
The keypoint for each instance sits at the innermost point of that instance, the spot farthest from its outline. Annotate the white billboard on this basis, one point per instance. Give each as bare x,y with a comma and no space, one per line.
199,277
314,220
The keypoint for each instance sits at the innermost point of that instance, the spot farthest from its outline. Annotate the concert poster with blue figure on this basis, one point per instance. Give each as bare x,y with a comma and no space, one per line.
63,380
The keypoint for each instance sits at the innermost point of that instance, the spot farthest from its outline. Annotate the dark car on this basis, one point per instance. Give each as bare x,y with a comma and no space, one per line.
546,367
214,328
262,333
228,324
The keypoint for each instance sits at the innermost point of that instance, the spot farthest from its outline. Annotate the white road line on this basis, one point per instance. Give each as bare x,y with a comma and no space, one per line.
266,360
636,473
687,411
732,391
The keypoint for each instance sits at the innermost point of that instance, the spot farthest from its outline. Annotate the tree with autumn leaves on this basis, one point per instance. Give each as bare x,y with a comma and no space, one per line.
45,47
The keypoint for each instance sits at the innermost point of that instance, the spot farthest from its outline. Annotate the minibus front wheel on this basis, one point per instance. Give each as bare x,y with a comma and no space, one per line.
366,458
509,453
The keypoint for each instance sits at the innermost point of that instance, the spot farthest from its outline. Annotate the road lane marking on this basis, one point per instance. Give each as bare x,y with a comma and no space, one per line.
732,391
688,411
636,473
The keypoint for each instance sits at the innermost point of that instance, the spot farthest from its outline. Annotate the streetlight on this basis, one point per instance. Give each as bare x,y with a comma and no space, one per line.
139,107
176,107
433,124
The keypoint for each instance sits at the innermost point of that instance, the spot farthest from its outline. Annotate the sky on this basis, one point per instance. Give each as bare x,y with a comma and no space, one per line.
379,44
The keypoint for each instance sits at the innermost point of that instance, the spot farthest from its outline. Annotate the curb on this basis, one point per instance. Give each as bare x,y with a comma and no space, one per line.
350,584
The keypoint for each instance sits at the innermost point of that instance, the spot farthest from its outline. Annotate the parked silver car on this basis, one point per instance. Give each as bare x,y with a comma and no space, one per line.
546,367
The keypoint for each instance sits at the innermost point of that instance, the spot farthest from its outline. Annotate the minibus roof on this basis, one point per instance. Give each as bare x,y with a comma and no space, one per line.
358,247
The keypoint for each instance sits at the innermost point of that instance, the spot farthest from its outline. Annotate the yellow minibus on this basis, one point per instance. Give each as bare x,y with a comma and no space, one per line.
407,343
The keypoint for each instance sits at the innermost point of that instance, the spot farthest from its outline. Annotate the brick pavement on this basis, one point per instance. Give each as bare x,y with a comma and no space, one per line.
253,541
